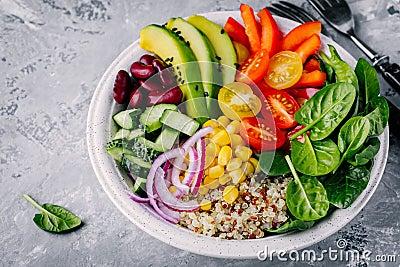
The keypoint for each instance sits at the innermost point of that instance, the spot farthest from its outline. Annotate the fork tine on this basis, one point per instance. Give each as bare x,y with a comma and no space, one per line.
317,5
278,12
290,12
299,10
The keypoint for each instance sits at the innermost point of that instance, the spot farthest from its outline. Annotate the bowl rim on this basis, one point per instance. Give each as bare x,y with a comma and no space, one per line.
99,130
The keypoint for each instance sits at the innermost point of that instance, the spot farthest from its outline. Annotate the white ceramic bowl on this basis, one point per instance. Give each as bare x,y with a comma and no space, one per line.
100,128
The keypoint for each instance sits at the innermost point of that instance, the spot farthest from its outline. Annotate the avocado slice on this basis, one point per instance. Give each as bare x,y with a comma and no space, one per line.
222,45
173,49
205,55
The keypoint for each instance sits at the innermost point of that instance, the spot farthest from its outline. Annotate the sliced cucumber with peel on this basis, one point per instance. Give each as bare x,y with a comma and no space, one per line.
128,119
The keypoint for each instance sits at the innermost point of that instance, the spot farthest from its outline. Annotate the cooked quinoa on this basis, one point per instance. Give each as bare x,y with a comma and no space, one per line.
259,206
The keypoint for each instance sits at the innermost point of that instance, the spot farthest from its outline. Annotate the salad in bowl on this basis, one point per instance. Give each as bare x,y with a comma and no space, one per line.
238,128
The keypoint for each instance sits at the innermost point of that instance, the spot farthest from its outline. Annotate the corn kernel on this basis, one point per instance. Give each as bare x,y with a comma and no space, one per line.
236,140
230,194
205,204
203,189
256,165
214,132
224,121
216,171
224,155
248,168
212,149
213,185
224,179
212,123
221,138
238,176
172,189
234,164
209,161
243,152
181,177
207,180
214,163
234,127
206,171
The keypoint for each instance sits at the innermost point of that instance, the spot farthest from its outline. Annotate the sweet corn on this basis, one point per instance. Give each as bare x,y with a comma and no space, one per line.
205,204
207,180
213,185
203,189
224,121
236,140
230,194
214,132
237,175
234,164
256,166
209,161
212,149
224,155
243,152
248,168
234,127
216,171
172,189
213,123
221,138
224,179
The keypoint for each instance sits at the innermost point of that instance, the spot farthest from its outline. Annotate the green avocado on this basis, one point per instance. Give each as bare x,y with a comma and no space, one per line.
205,55
173,50
222,45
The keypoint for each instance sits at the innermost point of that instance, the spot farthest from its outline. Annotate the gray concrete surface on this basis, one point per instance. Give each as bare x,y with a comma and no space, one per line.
52,54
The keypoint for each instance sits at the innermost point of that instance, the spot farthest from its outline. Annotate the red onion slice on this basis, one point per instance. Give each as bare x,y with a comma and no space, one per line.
201,150
192,169
168,211
138,199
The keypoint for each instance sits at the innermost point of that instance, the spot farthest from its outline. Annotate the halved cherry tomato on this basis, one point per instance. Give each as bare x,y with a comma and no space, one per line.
285,69
315,78
298,35
251,26
270,33
254,68
301,95
282,106
236,31
309,47
261,135
237,100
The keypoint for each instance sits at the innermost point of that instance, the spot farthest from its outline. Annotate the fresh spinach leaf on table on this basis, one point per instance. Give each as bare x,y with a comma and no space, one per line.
273,163
306,197
346,185
54,218
367,152
378,115
291,225
322,113
315,158
367,80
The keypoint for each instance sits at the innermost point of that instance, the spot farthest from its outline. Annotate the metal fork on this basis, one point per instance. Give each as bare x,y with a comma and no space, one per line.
338,14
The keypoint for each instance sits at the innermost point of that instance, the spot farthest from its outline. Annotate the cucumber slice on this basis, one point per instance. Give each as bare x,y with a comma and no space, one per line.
135,133
167,138
139,188
179,122
116,148
121,134
151,116
151,145
128,119
135,166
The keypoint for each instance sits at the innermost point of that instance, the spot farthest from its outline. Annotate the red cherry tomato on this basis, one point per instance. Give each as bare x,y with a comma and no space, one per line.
261,135
282,106
254,68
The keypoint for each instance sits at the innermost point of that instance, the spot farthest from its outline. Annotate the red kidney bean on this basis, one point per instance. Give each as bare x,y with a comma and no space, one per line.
151,85
166,77
171,96
147,59
122,87
136,99
142,71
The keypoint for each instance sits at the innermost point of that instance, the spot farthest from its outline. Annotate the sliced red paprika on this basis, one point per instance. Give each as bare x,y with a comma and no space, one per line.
270,33
254,68
301,95
298,35
312,64
309,47
251,27
314,78
236,31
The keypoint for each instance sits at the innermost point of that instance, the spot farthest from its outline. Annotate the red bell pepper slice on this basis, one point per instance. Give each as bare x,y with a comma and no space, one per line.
298,35
309,47
236,31
251,26
315,78
312,64
270,33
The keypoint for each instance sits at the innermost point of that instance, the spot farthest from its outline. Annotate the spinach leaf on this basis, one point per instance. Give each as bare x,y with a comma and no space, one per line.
378,115
292,225
54,218
346,185
367,80
322,113
273,163
315,158
367,153
306,197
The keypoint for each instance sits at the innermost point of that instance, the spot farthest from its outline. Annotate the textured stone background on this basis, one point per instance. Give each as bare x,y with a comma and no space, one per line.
52,54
